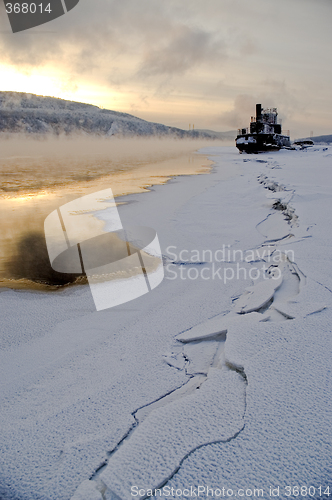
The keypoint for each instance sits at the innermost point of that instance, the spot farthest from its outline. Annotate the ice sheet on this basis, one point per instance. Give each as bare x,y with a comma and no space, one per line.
85,392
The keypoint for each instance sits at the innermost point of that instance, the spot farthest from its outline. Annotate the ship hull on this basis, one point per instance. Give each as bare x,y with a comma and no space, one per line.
259,143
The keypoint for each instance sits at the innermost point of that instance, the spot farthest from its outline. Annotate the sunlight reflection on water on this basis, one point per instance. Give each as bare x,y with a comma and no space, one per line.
39,176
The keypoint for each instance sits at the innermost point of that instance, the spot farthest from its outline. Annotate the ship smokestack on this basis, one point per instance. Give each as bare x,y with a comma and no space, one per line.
258,112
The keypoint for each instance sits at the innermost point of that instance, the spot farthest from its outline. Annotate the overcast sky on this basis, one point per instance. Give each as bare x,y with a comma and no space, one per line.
182,61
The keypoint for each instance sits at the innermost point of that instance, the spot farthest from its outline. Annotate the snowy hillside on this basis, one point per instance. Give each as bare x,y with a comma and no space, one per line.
29,113
324,139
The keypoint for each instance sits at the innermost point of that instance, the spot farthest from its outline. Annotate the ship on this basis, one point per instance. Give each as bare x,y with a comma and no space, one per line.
264,133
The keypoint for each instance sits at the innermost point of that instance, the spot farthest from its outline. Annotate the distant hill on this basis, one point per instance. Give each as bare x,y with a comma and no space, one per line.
230,135
33,114
326,139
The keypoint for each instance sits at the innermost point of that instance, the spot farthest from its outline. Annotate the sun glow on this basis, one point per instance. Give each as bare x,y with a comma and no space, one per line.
33,82
28,197
48,81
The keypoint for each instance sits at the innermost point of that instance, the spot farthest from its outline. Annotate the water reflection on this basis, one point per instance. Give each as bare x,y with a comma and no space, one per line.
30,263
33,185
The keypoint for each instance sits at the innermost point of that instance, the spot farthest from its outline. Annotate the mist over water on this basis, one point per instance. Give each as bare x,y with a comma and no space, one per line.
33,164
39,175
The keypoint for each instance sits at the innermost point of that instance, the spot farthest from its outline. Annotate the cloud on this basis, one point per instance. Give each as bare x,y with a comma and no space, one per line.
138,38
185,48
244,107
104,29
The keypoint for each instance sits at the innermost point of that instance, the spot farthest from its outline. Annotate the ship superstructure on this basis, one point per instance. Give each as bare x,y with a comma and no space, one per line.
264,133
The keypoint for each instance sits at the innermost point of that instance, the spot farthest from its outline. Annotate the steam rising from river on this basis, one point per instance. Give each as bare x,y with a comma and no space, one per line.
39,175
33,164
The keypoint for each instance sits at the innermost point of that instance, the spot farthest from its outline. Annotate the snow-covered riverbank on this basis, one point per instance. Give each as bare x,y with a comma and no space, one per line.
218,377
